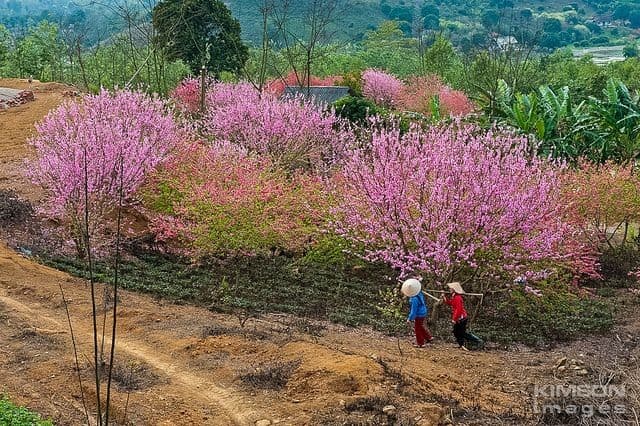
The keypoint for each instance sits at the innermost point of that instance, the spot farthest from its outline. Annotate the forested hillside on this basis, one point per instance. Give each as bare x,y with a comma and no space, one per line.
468,23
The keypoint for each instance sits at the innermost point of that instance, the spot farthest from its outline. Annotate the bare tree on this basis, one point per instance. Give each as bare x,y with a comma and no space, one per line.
300,45
508,55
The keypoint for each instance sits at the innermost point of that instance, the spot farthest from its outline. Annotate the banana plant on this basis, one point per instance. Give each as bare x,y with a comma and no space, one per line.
548,116
617,117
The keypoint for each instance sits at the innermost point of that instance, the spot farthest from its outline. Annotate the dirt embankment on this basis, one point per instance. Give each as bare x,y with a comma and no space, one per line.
182,365
17,125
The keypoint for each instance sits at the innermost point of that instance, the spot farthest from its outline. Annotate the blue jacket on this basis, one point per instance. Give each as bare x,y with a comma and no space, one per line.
418,307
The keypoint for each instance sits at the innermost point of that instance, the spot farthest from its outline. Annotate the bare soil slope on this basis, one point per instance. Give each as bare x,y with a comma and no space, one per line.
17,125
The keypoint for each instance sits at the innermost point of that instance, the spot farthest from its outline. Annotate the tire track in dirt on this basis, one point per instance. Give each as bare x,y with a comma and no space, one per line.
198,388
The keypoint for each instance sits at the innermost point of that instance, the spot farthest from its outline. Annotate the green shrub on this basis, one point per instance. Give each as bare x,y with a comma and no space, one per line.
357,110
558,315
615,265
349,293
13,415
330,250
247,285
353,80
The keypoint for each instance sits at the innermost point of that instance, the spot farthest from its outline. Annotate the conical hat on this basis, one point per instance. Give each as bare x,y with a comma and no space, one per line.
411,287
455,286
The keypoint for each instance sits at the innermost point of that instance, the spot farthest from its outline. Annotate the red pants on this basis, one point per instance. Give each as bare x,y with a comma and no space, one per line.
422,332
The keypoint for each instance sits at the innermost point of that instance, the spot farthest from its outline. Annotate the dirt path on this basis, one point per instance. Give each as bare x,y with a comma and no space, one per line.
197,388
183,365
16,126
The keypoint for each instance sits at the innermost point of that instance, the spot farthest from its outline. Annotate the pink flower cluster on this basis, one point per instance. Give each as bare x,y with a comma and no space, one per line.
104,144
447,198
417,94
293,133
381,87
602,198
187,95
100,132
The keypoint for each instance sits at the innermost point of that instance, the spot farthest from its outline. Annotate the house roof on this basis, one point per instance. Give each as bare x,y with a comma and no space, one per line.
325,95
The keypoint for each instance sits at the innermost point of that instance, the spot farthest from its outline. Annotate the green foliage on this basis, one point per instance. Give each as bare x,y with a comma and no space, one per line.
583,77
256,284
392,309
44,54
634,18
558,315
117,64
5,44
201,33
388,48
357,109
39,53
598,129
12,415
442,59
353,80
490,18
351,293
615,122
630,50
616,263
545,114
330,250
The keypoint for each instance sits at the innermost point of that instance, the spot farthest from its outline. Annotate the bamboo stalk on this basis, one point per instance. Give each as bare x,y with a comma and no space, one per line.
444,291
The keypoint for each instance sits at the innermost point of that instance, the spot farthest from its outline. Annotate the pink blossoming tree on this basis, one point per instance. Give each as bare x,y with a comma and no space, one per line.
293,133
419,92
187,95
449,199
605,199
96,148
381,87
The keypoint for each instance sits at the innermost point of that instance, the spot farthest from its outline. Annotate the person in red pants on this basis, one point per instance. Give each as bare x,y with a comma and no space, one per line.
418,313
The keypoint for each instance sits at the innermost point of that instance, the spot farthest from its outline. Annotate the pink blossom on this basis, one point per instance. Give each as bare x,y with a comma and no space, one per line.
293,133
448,198
105,143
380,87
218,200
187,95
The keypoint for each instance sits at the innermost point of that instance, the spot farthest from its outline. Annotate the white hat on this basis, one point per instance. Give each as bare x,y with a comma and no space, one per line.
411,287
455,286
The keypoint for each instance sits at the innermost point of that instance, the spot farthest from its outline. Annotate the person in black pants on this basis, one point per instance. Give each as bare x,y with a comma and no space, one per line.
459,316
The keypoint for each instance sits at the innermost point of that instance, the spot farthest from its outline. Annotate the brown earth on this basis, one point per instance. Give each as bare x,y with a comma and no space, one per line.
183,365
16,126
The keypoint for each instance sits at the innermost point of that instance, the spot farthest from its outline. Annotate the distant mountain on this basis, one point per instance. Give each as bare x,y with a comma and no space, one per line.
355,17
468,23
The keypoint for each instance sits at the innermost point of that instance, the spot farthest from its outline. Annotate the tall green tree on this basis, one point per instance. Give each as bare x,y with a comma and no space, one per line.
5,44
39,53
387,48
200,32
